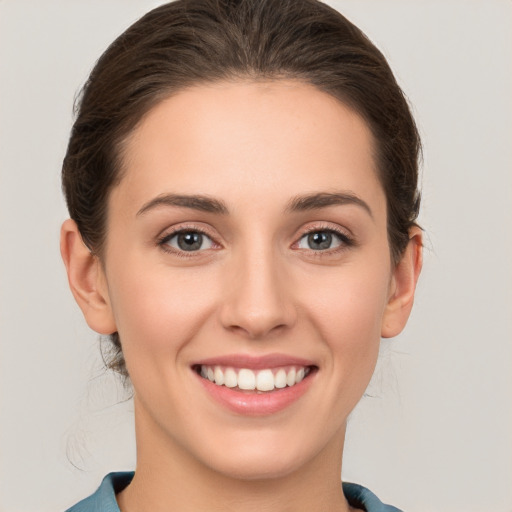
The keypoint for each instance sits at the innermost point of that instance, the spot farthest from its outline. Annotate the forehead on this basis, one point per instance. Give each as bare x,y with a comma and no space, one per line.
252,138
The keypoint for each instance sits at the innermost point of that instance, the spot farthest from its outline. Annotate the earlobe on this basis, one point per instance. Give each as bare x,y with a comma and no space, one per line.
403,286
86,280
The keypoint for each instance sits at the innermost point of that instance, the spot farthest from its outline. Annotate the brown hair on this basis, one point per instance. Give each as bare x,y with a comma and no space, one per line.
188,42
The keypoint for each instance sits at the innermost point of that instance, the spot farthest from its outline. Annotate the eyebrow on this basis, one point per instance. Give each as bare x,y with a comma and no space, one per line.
306,202
320,200
194,202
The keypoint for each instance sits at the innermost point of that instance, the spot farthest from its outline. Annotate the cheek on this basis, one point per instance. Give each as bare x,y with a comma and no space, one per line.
348,315
352,300
159,311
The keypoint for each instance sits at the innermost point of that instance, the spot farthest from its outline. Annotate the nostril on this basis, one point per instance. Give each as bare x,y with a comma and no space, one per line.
255,331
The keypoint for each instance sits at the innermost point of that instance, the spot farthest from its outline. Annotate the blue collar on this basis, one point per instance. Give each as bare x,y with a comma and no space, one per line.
104,499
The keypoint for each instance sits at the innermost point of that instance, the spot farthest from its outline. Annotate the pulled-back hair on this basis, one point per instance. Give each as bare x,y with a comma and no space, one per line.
188,42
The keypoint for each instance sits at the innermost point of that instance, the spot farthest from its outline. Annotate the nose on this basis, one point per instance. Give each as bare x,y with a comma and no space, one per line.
258,298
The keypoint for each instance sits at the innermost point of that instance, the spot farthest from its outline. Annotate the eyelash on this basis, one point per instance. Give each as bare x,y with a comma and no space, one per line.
163,240
346,241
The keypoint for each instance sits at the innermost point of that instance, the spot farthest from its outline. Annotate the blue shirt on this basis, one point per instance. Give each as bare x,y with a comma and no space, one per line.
104,499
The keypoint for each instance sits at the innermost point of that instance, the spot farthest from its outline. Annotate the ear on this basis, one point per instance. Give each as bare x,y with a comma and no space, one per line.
403,285
86,280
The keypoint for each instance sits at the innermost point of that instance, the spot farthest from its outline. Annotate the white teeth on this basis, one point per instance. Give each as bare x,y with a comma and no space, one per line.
246,379
263,380
219,376
230,379
290,378
280,379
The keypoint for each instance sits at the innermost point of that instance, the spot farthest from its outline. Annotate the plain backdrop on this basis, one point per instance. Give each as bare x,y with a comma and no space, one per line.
435,431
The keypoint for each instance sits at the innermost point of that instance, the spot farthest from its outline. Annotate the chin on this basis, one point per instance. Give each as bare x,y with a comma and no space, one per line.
263,455
260,467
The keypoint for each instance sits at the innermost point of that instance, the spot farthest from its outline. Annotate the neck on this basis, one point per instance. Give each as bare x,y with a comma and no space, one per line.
167,474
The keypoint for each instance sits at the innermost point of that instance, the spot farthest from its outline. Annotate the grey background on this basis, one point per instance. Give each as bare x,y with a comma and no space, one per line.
435,434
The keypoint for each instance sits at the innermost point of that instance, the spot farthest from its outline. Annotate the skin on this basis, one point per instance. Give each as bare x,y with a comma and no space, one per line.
258,288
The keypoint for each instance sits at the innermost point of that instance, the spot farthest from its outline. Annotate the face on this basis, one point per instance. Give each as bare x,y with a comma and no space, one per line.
247,247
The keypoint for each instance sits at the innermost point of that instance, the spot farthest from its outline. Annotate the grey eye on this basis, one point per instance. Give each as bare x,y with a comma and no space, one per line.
189,241
320,240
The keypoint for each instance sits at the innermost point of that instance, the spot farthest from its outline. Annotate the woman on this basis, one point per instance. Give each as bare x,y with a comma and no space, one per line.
242,185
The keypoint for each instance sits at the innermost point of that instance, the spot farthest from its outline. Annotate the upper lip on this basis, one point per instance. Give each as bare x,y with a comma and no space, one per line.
255,362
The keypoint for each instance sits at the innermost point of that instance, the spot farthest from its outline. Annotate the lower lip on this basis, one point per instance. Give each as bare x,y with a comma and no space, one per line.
254,403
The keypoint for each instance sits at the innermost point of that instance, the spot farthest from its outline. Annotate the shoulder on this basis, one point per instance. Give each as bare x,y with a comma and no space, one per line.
104,499
362,498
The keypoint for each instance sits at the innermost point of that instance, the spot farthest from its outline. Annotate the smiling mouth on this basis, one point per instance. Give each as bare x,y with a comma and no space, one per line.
261,381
